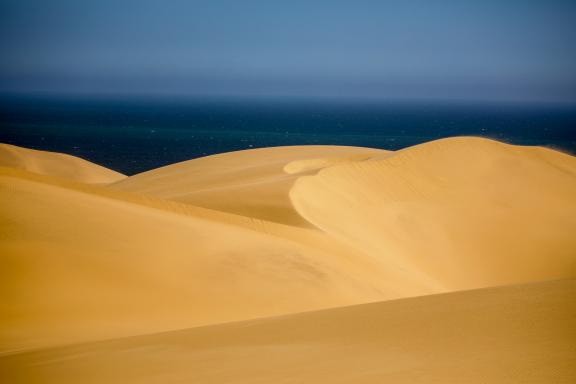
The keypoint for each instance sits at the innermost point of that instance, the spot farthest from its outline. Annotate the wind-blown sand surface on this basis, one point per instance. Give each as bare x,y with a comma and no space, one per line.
87,254
254,183
465,212
514,334
161,266
56,164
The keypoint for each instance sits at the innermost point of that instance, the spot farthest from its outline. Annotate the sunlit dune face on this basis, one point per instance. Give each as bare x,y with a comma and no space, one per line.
56,164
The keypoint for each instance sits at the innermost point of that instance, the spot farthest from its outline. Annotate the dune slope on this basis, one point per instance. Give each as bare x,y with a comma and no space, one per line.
56,164
460,212
252,183
513,334
83,263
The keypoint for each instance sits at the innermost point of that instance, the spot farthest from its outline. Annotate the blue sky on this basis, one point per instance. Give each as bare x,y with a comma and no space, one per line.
403,49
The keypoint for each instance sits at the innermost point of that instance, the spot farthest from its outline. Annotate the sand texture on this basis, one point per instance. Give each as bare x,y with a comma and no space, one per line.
514,334
462,212
56,164
253,183
446,262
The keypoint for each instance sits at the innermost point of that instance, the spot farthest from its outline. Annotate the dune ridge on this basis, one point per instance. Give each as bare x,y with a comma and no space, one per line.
258,179
271,234
56,164
467,212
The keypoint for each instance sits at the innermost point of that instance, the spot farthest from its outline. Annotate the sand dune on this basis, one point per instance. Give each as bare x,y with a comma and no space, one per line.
277,231
463,212
253,182
56,164
515,334
83,263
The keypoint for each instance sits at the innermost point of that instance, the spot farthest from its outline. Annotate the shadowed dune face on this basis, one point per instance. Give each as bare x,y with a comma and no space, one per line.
56,164
463,212
252,183
517,334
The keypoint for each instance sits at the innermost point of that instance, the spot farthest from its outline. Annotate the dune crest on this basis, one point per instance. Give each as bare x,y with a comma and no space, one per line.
57,165
464,212
252,182
308,165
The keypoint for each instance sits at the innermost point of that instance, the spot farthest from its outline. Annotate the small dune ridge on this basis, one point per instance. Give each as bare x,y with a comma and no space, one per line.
308,165
56,164
309,264
250,182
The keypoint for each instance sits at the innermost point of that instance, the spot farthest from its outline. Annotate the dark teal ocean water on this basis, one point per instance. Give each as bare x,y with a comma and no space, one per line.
135,135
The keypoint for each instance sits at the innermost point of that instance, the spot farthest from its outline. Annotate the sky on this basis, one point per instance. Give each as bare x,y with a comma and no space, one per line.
509,50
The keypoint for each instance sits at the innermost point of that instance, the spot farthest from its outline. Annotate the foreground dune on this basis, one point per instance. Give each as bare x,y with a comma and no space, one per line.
83,263
253,182
515,334
56,164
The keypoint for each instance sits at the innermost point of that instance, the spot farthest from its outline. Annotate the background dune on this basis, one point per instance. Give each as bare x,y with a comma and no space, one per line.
56,164
253,182
464,212
516,334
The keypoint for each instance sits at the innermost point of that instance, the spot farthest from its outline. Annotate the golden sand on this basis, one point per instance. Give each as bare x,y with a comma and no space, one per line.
514,334
87,254
253,183
56,164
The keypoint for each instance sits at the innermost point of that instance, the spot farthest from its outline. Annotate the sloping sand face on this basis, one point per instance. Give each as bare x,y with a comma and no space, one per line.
516,334
56,164
252,183
82,264
462,212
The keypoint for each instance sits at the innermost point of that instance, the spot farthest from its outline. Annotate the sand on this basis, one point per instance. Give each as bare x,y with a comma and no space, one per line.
82,265
464,212
209,245
514,334
56,164
259,180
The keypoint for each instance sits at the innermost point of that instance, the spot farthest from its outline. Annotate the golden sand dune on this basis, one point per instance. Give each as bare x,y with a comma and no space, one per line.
82,263
460,212
56,164
276,231
253,182
514,334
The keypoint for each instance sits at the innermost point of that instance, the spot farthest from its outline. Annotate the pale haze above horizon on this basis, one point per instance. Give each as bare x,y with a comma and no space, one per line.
416,49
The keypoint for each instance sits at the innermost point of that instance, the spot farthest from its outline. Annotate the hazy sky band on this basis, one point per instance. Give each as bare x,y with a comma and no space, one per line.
509,49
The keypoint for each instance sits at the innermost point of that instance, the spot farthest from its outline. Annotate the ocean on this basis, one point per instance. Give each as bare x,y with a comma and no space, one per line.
135,135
